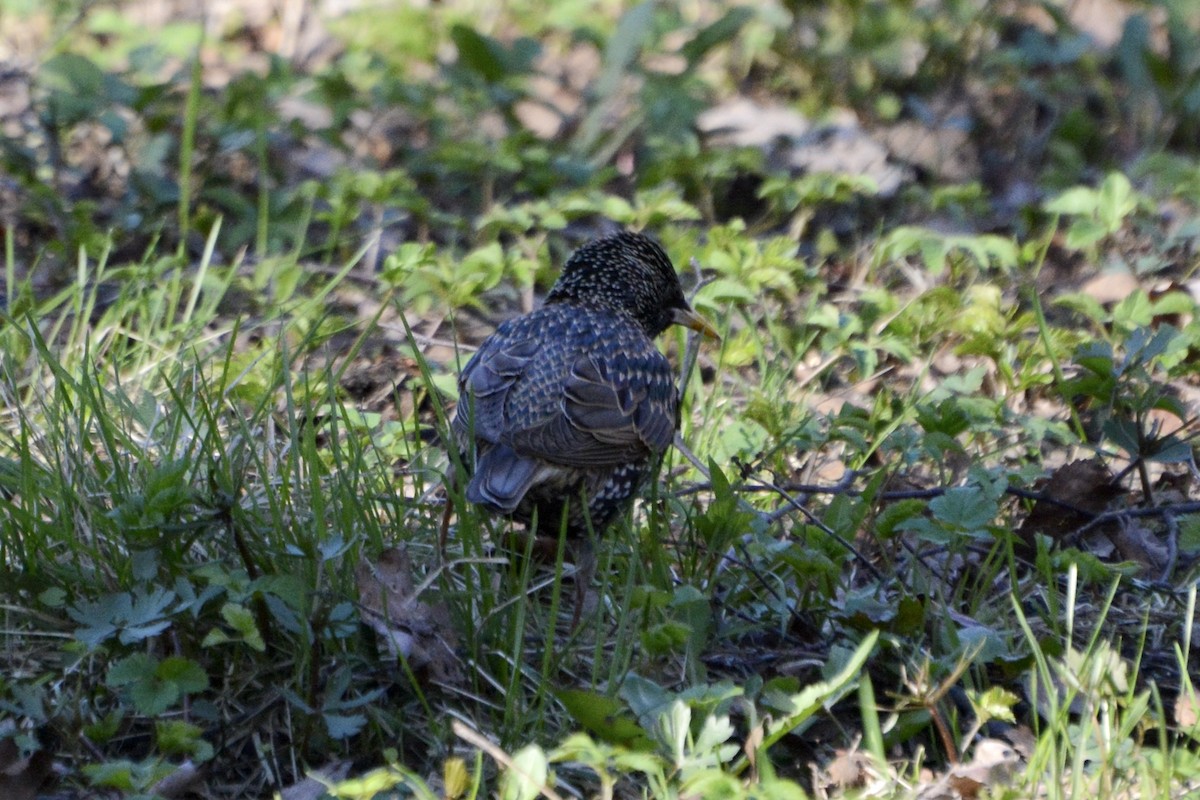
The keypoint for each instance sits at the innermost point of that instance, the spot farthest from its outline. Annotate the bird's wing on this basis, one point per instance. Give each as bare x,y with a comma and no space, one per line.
611,411
484,385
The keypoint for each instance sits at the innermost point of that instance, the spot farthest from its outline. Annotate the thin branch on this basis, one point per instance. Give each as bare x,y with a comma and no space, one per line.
502,758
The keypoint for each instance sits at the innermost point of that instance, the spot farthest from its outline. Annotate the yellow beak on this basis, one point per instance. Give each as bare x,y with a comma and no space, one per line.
690,319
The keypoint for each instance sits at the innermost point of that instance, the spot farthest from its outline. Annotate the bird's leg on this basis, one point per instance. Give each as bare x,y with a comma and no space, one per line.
444,534
585,570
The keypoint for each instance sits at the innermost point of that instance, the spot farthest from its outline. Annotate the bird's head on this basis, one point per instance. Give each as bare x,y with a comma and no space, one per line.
630,274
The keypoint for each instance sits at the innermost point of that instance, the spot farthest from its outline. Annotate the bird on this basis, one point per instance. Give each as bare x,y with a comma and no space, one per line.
562,410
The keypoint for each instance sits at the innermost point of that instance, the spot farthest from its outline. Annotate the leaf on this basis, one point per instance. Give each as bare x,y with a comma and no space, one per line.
716,34
1135,311
183,672
343,726
524,778
1116,201
716,731
778,789
965,507
1082,304
54,597
933,252
176,737
1078,200
101,618
478,53
242,620
994,703
1171,450
623,46
1124,433
145,618
714,783
645,698
1085,232
132,668
605,717
801,706
77,87
894,514
111,774
675,725
152,697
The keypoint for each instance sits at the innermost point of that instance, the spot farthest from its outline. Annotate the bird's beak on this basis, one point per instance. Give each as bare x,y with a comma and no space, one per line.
690,319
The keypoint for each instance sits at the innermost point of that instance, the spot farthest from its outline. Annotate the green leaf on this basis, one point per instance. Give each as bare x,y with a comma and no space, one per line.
623,46
153,697
674,726
714,733
933,252
146,616
777,789
1078,200
1171,450
343,726
242,620
967,508
716,34
104,729
645,698
183,672
111,774
525,777
131,669
894,514
478,53
723,290
606,717
77,87
54,597
803,705
176,737
1085,232
711,783
1117,200
666,638
1135,311
1082,304
994,703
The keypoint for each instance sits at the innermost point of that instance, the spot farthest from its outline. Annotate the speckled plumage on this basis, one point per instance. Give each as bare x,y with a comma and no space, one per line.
570,402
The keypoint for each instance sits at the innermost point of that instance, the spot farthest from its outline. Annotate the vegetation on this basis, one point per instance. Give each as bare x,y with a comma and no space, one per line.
933,533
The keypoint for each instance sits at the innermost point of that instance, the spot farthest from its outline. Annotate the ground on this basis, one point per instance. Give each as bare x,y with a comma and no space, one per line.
931,527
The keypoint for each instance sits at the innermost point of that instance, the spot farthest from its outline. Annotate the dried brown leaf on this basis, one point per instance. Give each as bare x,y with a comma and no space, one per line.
1074,494
849,769
993,764
312,789
409,628
1187,710
21,778
1138,544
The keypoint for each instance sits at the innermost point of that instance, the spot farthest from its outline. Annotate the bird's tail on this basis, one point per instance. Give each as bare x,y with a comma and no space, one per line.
501,479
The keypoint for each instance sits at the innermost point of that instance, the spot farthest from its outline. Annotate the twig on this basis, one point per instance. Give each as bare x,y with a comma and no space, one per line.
843,487
692,350
837,537
1096,520
1172,544
477,739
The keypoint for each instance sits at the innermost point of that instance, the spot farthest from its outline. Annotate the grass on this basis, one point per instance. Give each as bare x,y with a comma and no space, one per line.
225,391
186,498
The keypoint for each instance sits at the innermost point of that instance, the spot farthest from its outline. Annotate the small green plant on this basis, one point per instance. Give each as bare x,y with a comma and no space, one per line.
939,250
1095,214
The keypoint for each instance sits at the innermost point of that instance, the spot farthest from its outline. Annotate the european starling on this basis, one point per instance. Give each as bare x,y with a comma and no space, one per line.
563,408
